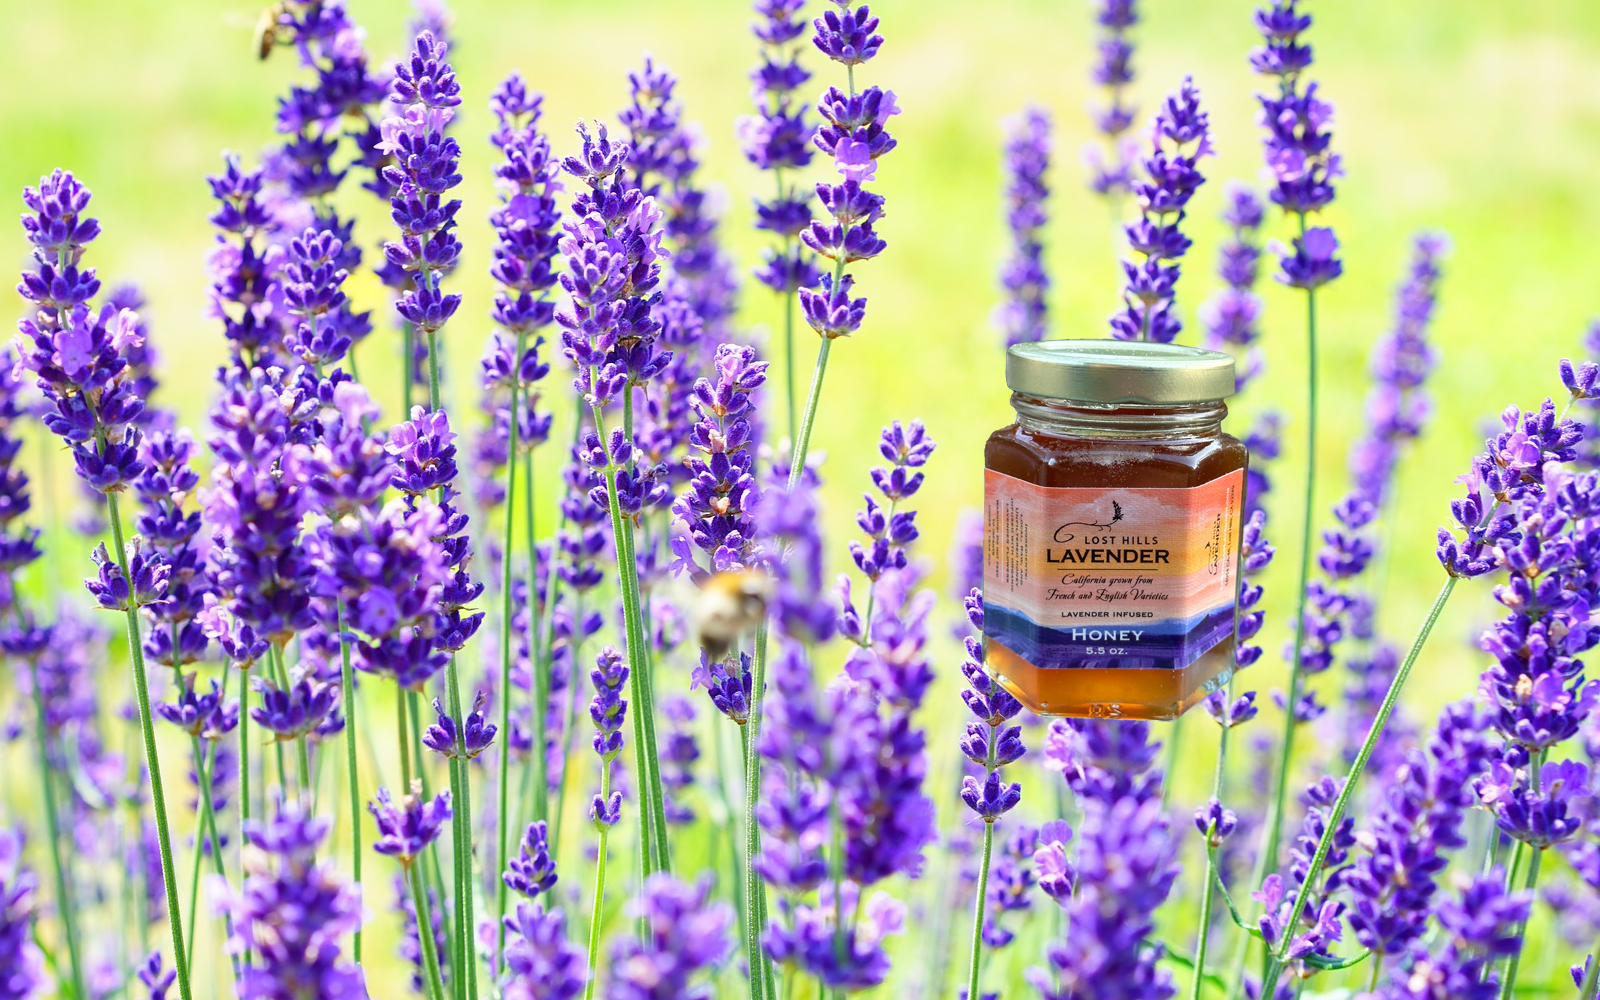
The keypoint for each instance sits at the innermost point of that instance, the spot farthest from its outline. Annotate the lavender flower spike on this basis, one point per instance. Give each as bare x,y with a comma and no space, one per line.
1112,166
685,935
1180,138
1023,278
424,171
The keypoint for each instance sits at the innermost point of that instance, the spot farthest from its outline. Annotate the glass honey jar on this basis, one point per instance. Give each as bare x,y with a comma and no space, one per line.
1113,508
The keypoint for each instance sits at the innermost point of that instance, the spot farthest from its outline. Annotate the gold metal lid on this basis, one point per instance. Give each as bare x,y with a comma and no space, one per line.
1115,371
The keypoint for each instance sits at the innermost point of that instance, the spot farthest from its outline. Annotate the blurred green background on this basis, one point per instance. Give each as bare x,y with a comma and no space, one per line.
1480,119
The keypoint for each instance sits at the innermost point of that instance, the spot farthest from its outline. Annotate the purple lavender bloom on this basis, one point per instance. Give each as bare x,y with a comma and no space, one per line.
290,910
164,487
324,327
245,293
156,979
788,522
407,827
200,714
19,544
390,572
796,747
1406,848
1512,466
1173,178
21,962
1011,885
1232,315
1125,869
313,118
613,253
309,705
533,871
776,139
525,225
425,94
608,711
1053,870
1023,278
1397,405
889,527
1481,924
992,742
679,752
145,585
448,739
685,935
1112,166
718,507
1540,814
855,133
1297,143
811,940
542,963
78,354
699,278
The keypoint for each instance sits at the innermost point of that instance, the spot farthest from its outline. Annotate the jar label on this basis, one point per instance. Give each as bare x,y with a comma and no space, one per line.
1122,577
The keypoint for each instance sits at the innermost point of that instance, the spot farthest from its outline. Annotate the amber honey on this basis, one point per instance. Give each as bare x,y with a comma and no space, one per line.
1113,512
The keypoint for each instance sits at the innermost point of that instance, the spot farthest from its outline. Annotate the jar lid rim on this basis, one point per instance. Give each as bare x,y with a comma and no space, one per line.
1114,371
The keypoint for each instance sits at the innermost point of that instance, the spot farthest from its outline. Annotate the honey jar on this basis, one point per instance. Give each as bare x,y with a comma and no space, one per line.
1113,508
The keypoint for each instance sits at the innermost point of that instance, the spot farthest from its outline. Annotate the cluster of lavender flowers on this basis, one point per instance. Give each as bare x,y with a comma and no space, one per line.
1180,138
289,563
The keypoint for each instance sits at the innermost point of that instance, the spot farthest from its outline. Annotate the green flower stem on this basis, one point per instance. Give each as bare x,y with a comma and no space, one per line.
1508,987
202,767
1207,897
403,740
657,799
430,959
975,967
802,444
644,742
503,823
755,889
466,985
66,907
1270,845
158,796
599,885
348,675
1336,814
540,641
244,766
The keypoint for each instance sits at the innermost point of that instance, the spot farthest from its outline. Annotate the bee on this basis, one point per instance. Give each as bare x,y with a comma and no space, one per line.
730,603
267,28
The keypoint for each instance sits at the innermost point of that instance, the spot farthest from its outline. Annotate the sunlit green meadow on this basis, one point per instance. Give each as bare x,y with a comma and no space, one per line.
1480,119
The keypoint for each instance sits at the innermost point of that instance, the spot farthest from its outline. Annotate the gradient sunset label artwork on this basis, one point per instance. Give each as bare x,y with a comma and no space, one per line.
1110,576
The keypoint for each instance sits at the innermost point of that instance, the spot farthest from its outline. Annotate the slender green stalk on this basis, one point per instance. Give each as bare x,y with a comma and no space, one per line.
503,823
1268,857
1207,895
202,770
599,887
244,767
430,958
66,908
979,903
802,444
469,913
539,641
349,678
158,796
644,743
1336,814
755,889
1508,987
